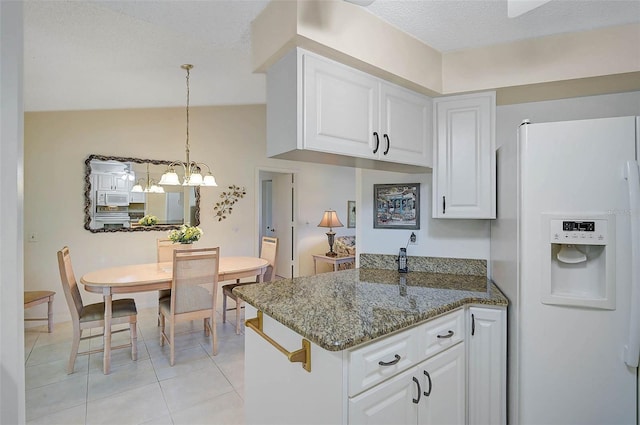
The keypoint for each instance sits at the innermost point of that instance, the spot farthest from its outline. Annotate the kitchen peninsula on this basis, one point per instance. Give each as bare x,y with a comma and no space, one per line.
377,346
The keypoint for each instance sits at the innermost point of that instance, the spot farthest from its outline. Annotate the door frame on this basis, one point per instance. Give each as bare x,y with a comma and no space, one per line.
258,209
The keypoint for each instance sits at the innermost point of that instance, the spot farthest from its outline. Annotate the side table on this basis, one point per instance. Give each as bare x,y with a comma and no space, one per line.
331,260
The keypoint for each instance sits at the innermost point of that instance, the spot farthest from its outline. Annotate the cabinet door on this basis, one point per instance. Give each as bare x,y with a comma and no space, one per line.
120,184
464,176
340,108
112,182
443,385
105,182
487,366
405,126
390,403
137,197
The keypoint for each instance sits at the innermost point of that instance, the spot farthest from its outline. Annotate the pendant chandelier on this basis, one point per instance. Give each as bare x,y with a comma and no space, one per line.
192,169
150,185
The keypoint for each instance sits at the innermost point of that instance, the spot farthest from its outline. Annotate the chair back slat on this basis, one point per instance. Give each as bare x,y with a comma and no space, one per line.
268,252
195,279
166,248
69,284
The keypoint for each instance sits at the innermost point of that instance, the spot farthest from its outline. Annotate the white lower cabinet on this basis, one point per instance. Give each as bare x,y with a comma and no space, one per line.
431,393
443,387
487,344
443,371
394,402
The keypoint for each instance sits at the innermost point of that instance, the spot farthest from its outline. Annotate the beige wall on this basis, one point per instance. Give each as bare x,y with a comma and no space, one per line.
524,70
230,139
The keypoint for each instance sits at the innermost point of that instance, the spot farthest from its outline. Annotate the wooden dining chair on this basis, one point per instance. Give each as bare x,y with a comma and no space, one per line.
268,251
164,249
194,291
92,315
34,298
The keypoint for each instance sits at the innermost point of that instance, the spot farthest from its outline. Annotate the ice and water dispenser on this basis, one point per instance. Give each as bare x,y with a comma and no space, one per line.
578,259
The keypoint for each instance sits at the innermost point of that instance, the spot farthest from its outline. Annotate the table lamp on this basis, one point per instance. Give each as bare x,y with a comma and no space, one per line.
330,220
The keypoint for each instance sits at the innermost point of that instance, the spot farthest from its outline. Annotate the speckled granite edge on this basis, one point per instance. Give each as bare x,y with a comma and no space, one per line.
460,266
401,323
341,310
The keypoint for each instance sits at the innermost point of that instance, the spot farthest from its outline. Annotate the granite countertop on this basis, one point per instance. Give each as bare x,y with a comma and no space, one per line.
342,309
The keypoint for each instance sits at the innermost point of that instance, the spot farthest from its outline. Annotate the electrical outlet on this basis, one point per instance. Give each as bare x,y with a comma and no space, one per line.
413,239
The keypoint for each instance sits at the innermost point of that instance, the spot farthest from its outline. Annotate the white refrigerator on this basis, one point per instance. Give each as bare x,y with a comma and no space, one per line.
564,250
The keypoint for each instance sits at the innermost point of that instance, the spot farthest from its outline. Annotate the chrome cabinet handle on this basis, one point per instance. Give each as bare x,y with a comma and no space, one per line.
427,393
388,144
444,204
473,325
448,335
375,134
417,400
391,363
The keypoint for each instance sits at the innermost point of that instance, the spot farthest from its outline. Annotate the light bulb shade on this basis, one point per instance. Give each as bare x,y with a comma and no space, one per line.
194,180
155,189
170,178
330,219
137,188
209,180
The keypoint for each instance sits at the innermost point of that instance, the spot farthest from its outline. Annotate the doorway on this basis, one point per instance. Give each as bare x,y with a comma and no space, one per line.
277,212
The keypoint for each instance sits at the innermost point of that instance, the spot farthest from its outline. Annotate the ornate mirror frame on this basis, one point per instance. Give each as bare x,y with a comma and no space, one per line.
88,205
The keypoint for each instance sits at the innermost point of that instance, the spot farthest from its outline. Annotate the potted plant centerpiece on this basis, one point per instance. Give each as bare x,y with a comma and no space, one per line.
148,220
186,234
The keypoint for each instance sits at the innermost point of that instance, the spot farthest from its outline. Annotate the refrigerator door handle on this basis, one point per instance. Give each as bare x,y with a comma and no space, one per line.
632,349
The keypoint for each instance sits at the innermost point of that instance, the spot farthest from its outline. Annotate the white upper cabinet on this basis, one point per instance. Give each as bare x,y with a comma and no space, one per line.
137,197
405,123
344,116
341,106
464,173
112,182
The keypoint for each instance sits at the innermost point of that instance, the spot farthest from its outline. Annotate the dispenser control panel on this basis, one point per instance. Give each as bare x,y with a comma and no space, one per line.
580,232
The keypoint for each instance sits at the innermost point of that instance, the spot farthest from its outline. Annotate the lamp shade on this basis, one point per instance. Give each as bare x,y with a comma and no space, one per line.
330,219
209,180
155,189
170,178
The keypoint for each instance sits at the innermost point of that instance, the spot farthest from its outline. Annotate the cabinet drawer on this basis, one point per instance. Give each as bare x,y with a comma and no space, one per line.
440,334
381,360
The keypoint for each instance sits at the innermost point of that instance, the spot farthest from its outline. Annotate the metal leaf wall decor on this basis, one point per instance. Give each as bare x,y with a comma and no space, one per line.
224,207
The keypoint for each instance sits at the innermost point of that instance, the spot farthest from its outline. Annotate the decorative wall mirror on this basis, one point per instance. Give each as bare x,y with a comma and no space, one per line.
111,206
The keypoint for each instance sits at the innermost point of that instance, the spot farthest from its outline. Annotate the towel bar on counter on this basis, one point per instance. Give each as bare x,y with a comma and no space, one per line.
302,355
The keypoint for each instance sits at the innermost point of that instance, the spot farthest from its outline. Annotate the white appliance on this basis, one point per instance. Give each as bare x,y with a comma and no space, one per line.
111,217
564,249
110,198
111,221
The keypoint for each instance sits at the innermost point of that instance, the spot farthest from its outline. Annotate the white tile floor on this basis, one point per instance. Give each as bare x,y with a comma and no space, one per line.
198,389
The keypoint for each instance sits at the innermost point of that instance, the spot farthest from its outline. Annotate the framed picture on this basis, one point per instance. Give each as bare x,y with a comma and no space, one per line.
397,206
351,213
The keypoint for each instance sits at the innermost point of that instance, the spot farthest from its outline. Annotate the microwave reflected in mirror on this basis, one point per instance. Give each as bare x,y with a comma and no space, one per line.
111,205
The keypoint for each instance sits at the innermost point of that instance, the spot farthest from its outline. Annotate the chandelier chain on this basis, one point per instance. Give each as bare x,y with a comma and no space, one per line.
188,68
192,169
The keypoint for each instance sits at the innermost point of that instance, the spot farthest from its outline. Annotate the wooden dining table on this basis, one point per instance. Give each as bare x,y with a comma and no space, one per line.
154,277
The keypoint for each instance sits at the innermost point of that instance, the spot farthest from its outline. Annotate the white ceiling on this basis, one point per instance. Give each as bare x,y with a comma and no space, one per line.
86,54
